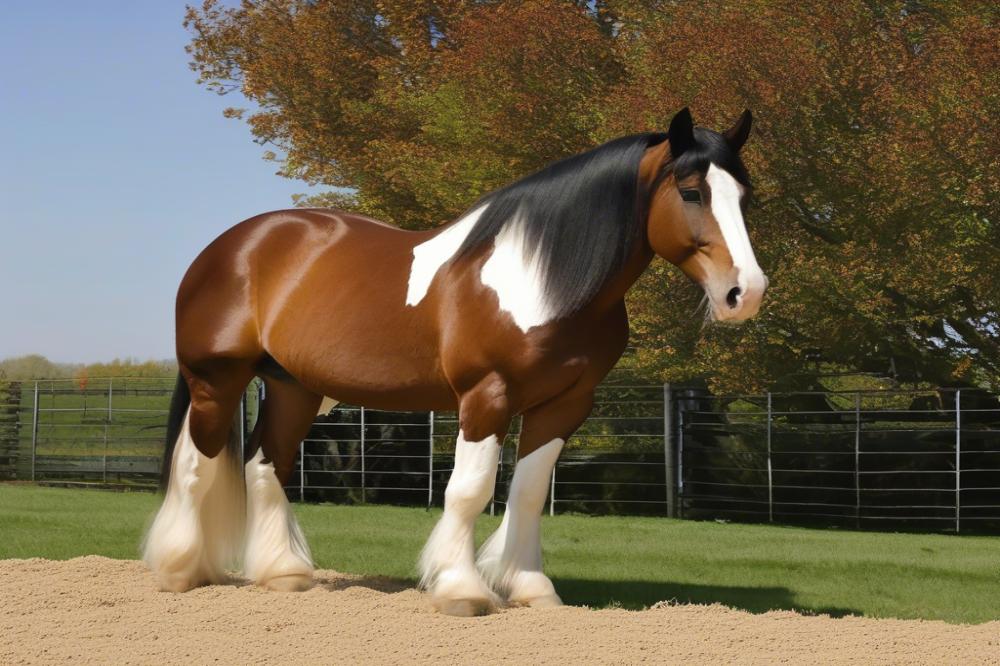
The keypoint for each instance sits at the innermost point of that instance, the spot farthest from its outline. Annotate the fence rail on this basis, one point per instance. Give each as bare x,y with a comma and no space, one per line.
888,459
922,459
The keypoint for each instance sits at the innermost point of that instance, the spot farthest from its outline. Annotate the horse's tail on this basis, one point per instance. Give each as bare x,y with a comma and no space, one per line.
179,403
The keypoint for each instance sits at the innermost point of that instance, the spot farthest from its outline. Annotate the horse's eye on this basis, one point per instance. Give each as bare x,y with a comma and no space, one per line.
691,196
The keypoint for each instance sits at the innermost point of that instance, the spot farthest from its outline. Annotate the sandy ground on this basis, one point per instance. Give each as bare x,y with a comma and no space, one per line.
93,609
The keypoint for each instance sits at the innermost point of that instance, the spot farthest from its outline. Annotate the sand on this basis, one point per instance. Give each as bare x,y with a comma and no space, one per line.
94,609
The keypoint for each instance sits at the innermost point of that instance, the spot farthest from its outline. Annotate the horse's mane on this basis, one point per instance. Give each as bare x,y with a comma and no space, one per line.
580,215
709,147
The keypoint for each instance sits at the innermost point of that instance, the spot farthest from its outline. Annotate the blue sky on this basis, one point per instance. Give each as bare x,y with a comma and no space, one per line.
116,169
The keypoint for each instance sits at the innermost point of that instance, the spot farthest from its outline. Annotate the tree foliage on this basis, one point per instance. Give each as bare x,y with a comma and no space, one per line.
36,366
876,156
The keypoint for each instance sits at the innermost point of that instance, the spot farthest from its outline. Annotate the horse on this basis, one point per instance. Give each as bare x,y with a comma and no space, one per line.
515,308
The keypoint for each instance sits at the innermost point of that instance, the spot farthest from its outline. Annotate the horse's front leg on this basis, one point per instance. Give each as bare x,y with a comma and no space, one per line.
447,563
511,559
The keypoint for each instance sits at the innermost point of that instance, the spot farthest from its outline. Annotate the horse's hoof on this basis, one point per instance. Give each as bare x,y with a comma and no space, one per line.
534,589
460,591
289,583
176,583
546,601
463,607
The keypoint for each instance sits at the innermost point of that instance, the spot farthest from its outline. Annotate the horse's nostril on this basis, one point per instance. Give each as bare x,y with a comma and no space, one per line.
732,296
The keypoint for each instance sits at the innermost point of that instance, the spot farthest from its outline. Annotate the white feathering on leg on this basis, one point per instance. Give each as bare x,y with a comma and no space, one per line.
197,532
275,544
511,559
447,562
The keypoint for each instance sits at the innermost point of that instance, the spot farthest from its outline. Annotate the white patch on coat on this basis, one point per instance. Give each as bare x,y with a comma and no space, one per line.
275,544
511,559
727,212
514,272
198,532
431,255
447,563
326,405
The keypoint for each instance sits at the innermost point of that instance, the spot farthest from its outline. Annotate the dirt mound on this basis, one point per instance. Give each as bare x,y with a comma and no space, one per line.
94,609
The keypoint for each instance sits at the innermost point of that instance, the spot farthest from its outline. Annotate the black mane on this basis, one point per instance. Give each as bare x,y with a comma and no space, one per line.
581,215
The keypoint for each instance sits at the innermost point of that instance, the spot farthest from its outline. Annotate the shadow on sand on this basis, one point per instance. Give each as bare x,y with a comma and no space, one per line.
377,583
638,594
629,594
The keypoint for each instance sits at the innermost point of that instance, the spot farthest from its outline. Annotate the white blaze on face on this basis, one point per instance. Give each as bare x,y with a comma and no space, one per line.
431,255
726,210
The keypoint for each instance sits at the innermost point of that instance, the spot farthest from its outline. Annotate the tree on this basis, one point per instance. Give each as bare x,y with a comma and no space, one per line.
875,157
35,366
876,169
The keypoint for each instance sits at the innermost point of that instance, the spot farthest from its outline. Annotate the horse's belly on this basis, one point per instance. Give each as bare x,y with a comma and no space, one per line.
391,388
355,366
410,399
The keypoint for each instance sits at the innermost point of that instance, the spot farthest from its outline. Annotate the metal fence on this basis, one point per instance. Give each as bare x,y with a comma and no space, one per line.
110,432
614,464
102,431
886,459
925,459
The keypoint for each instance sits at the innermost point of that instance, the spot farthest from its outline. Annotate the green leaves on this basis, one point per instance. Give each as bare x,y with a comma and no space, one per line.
875,150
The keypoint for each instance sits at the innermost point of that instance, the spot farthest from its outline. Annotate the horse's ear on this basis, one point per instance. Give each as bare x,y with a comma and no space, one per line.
681,133
737,135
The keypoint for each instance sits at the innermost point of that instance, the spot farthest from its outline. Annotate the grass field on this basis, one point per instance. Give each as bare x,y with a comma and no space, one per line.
595,561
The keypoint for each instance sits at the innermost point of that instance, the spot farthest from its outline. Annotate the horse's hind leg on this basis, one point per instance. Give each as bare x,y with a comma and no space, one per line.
198,530
511,559
277,556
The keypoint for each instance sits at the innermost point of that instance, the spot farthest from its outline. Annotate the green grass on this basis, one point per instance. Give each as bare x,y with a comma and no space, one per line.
596,561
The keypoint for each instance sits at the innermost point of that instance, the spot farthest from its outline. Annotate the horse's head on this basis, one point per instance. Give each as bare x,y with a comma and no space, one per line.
699,190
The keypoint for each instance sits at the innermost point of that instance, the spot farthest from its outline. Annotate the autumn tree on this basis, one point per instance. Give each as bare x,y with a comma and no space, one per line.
875,163
874,158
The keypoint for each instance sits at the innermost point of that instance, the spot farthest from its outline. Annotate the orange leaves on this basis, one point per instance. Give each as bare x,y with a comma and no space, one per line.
875,153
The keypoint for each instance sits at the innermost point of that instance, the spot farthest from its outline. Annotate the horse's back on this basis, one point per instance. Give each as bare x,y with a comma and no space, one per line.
269,256
322,292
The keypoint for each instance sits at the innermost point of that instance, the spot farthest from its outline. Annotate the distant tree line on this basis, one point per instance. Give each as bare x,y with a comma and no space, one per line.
36,366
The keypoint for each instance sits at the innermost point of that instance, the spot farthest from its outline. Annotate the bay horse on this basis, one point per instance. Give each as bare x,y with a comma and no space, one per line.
515,308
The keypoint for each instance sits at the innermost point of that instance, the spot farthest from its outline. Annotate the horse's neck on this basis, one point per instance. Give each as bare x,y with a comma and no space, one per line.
443,243
618,285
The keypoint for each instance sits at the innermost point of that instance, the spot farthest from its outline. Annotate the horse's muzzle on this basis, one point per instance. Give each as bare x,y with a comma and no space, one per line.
742,300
